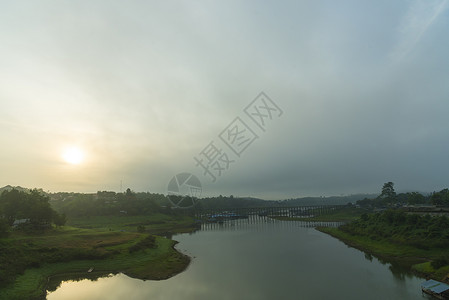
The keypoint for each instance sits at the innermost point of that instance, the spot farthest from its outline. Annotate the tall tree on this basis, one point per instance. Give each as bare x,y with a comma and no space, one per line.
388,193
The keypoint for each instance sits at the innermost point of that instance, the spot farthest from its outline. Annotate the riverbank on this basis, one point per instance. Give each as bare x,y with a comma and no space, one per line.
153,224
34,263
414,259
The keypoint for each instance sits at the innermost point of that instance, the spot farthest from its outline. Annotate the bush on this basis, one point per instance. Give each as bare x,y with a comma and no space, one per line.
439,262
148,242
4,228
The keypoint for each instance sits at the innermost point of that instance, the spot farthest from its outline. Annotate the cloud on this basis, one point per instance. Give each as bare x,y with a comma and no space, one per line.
419,17
143,87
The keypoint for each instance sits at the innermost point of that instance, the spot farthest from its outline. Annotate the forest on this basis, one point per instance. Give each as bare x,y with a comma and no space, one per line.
31,211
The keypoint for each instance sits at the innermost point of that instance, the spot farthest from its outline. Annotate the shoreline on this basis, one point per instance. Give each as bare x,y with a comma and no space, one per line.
159,262
144,265
49,277
401,255
83,274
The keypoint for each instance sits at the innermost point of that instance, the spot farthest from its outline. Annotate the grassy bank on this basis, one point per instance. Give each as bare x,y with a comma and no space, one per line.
413,258
154,224
31,263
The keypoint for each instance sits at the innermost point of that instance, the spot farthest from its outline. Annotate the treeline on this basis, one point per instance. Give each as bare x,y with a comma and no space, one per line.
440,198
388,198
106,203
223,202
330,200
27,210
411,198
420,231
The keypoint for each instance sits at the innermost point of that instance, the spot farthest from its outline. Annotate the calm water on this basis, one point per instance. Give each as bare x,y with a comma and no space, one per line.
271,260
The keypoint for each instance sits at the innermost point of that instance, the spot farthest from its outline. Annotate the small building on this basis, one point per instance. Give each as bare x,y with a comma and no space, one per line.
19,222
435,288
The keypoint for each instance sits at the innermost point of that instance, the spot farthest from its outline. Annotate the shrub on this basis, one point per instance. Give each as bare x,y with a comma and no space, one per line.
439,262
148,242
4,228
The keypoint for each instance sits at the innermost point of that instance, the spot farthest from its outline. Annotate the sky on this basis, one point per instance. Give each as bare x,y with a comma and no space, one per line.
109,95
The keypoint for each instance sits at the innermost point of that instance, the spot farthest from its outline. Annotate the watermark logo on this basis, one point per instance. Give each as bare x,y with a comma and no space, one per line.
217,157
213,160
262,110
238,136
183,190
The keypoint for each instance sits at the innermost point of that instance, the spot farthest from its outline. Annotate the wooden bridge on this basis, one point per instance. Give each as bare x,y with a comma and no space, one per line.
224,214
260,222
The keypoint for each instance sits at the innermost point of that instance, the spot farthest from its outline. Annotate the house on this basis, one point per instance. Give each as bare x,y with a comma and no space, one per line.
435,288
19,222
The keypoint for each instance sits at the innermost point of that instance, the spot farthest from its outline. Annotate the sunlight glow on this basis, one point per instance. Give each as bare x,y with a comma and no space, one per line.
73,156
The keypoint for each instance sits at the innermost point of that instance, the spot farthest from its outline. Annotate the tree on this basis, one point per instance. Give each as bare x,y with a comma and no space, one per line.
440,198
59,219
388,194
11,205
33,206
129,193
4,228
38,209
415,198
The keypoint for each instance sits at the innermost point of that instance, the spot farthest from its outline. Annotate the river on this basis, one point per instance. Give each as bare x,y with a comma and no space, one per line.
262,260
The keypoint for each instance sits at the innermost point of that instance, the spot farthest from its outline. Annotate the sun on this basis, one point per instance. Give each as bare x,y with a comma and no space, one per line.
73,155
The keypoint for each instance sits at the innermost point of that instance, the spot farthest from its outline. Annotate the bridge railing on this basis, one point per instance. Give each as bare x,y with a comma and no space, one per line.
274,211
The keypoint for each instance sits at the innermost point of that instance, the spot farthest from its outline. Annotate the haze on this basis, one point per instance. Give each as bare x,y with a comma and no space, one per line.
142,87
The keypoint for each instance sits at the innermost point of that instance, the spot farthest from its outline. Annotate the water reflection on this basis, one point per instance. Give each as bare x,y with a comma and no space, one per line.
54,282
267,260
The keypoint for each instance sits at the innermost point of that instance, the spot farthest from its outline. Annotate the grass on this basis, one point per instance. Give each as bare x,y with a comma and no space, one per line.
109,245
427,269
415,259
159,263
155,224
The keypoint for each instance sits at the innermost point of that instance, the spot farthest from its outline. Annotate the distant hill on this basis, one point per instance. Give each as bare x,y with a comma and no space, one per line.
232,202
332,200
235,202
19,188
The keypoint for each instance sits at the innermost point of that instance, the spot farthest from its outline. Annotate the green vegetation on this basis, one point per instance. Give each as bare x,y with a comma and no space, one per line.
389,198
66,253
231,202
27,261
105,203
409,239
29,210
397,227
440,273
39,251
157,223
388,192
440,198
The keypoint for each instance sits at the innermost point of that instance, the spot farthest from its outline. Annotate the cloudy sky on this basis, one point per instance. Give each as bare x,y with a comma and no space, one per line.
94,93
